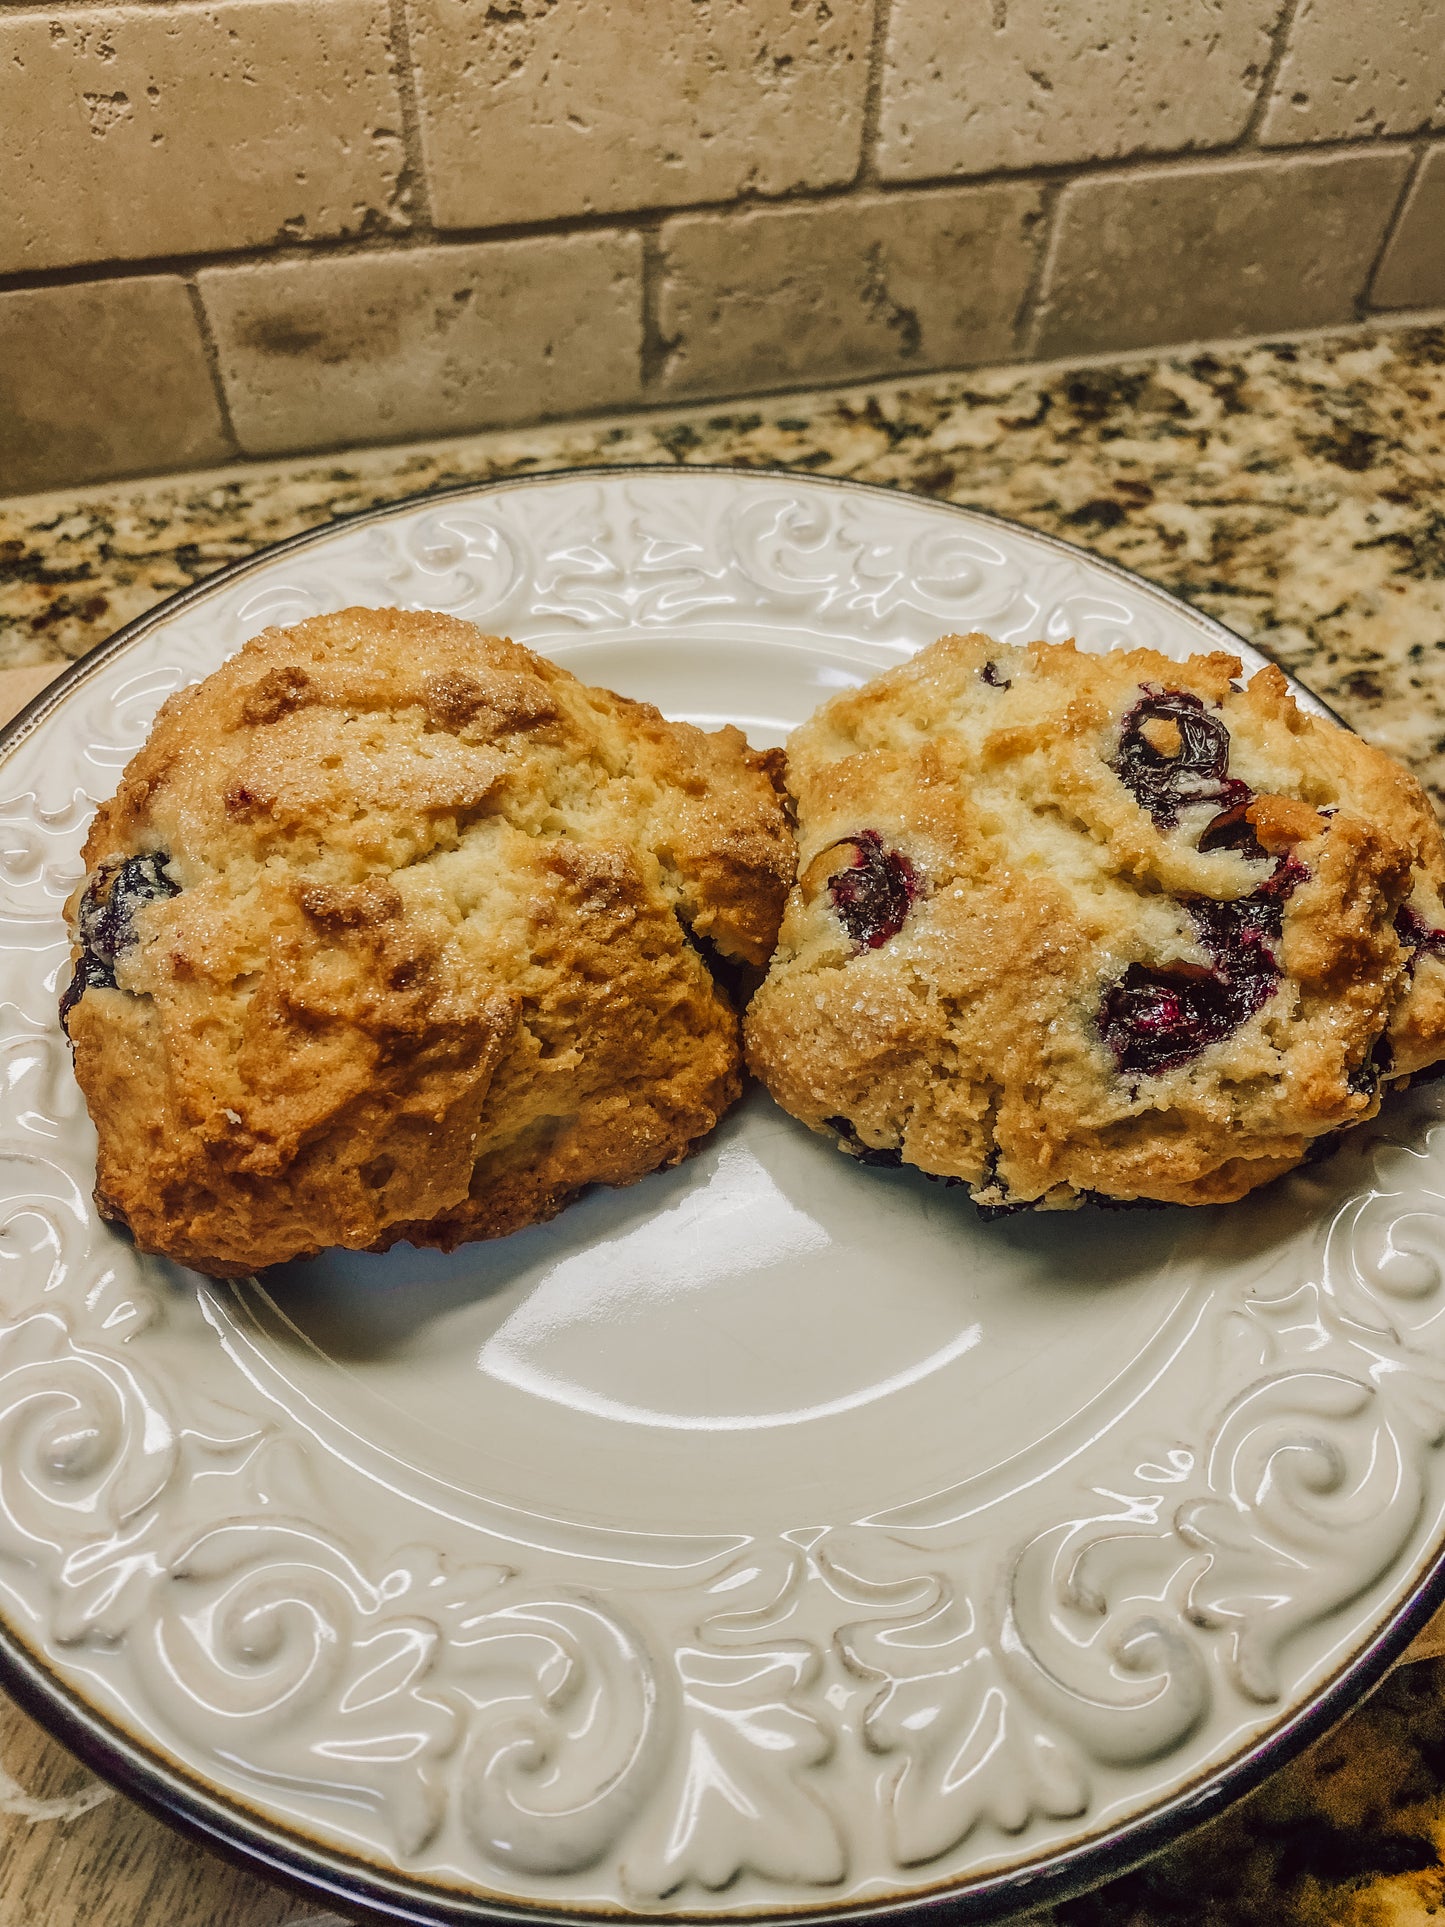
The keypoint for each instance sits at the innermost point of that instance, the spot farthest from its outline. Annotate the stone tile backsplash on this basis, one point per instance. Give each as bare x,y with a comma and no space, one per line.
816,291
131,134
543,110
403,345
105,378
251,227
1212,248
971,87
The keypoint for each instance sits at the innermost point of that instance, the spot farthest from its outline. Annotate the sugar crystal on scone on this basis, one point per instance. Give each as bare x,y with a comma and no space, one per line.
1073,926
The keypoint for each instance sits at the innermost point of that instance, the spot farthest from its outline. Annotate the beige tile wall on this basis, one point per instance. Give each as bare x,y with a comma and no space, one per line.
258,226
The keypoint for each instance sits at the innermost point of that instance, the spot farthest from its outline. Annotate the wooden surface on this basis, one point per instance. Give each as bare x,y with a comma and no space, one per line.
73,1853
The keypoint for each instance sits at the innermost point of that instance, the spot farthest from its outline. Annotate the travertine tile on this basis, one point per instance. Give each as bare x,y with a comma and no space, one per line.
178,130
1356,68
103,378
1231,247
544,108
826,292
1412,274
969,87
426,341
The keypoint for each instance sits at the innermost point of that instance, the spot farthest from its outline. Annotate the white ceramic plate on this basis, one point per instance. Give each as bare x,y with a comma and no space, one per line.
774,1535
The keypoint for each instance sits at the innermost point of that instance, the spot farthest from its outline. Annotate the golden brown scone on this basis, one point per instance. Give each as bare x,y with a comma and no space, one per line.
1072,926
386,935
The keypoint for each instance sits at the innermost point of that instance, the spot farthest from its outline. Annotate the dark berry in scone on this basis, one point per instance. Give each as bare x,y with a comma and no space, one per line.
396,930
1109,928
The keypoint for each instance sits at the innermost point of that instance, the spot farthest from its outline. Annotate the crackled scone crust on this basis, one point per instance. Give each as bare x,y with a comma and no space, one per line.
964,1028
427,966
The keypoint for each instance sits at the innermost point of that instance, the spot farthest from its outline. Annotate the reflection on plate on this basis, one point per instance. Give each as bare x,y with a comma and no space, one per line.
771,1535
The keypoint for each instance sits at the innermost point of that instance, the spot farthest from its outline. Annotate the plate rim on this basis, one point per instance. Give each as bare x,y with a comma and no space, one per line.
225,1825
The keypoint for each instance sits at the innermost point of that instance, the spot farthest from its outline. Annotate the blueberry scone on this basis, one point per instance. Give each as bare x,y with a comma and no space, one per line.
398,931
1073,927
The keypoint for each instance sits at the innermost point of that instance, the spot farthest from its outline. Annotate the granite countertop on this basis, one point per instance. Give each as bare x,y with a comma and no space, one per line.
1295,490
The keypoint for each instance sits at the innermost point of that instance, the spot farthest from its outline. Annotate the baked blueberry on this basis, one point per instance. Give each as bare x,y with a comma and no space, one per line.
873,890
105,920
1414,931
1173,751
1231,830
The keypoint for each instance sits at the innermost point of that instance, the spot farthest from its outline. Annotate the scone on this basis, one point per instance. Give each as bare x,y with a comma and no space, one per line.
1074,927
396,930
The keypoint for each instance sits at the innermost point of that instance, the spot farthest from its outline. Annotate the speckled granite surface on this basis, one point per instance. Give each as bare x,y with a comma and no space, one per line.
1297,491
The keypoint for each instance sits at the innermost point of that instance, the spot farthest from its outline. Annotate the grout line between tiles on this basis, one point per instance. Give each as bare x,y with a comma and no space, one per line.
1279,41
1397,214
656,347
867,173
1029,320
415,180
211,350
